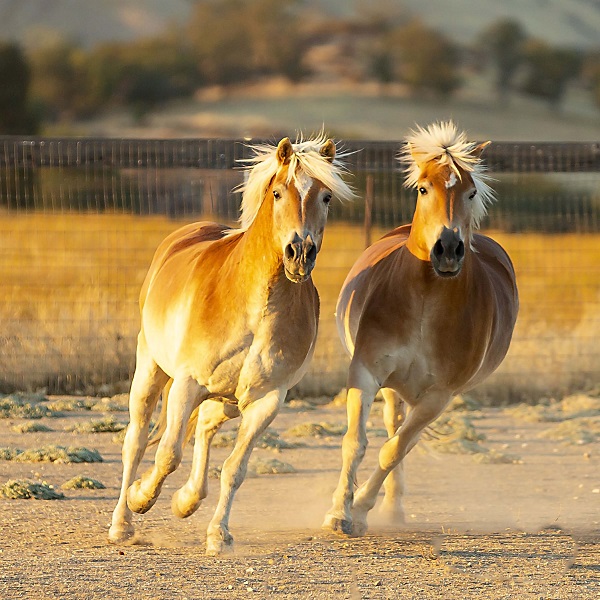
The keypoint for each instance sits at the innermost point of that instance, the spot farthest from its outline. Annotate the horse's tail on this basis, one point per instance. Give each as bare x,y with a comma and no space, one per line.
161,424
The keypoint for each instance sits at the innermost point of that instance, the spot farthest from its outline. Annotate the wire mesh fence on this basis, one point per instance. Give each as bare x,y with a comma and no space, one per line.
80,219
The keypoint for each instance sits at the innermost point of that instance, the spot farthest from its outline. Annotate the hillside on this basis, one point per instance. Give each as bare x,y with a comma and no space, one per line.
561,22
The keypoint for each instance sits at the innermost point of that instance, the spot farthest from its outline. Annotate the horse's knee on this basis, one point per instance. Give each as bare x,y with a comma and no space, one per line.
355,444
168,459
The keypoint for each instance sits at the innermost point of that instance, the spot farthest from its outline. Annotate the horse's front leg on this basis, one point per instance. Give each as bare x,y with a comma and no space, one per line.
184,396
362,388
211,415
256,417
424,411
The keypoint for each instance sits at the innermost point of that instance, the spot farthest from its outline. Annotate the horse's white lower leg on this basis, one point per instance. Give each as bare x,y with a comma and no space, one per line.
184,396
146,386
256,417
211,415
393,452
358,405
394,412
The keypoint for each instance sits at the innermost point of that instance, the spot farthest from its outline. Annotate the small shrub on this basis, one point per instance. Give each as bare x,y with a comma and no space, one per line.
82,483
30,427
270,466
14,406
108,424
54,454
316,430
17,489
70,404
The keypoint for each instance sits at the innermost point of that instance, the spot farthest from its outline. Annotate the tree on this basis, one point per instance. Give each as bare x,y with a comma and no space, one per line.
548,71
58,78
591,75
427,61
237,40
503,42
16,116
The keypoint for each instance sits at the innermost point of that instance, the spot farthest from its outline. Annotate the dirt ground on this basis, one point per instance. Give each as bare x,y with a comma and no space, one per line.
524,529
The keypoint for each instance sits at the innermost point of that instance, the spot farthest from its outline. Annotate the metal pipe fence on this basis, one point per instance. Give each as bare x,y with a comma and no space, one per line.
80,219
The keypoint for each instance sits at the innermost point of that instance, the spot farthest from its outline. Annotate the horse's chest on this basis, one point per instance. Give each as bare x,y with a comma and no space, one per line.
271,354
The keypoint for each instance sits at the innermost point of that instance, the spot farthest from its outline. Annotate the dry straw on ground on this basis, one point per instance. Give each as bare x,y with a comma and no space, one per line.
54,454
80,482
22,489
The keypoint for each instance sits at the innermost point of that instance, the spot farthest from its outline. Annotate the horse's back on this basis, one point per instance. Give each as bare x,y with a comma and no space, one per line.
192,238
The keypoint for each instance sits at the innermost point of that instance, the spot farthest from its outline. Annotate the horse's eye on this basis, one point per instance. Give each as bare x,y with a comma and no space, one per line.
327,198
472,195
276,195
422,191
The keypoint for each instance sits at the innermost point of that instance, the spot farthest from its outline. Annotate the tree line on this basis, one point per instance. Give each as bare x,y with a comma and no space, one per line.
227,42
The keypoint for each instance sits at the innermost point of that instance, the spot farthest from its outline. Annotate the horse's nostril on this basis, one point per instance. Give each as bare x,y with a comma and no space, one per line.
290,252
460,249
312,253
438,249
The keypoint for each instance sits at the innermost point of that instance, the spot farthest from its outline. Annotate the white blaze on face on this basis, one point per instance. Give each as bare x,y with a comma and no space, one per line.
303,184
451,181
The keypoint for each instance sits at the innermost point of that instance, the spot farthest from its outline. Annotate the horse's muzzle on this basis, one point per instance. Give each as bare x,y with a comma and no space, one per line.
299,259
448,253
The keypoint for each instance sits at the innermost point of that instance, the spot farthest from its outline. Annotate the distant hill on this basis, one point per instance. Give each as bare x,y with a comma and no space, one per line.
560,22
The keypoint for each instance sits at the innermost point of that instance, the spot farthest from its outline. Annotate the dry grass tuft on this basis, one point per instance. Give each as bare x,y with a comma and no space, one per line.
16,406
82,483
578,431
17,489
118,403
54,454
30,427
107,424
269,440
270,466
70,404
323,429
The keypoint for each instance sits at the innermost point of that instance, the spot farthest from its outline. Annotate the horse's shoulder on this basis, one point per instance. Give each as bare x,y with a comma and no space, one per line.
492,253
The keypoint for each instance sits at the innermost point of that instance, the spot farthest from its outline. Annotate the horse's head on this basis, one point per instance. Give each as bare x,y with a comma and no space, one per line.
300,207
452,195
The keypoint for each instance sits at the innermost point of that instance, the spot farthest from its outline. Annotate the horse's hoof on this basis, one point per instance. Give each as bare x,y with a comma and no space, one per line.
219,543
183,505
359,528
119,534
337,524
138,502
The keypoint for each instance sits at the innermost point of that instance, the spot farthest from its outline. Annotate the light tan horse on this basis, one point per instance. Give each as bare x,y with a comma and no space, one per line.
426,313
229,322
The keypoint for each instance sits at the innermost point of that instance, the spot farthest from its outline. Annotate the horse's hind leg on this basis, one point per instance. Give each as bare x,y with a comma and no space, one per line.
148,381
184,396
394,412
211,415
256,417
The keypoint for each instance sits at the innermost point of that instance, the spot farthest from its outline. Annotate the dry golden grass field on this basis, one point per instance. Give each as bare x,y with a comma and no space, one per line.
69,285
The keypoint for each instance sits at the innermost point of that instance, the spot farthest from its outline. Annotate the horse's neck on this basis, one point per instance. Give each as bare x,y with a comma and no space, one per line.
257,260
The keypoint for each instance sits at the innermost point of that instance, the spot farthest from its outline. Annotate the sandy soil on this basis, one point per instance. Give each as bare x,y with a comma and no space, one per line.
528,530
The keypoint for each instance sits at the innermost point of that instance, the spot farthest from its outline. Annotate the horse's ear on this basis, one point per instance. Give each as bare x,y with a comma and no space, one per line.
418,158
328,151
478,150
284,151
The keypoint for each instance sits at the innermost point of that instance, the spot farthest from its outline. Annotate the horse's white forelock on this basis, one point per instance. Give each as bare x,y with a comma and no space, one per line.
306,158
444,143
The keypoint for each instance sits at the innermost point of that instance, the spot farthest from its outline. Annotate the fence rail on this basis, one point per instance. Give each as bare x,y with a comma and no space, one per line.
501,157
81,217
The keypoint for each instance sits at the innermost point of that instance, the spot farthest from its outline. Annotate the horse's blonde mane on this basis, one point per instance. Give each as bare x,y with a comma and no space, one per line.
263,166
443,143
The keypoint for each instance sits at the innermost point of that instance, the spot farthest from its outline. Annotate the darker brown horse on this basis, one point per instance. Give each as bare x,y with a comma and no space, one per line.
425,313
229,323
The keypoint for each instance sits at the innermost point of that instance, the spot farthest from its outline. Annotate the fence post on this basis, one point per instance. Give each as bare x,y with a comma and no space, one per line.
368,210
